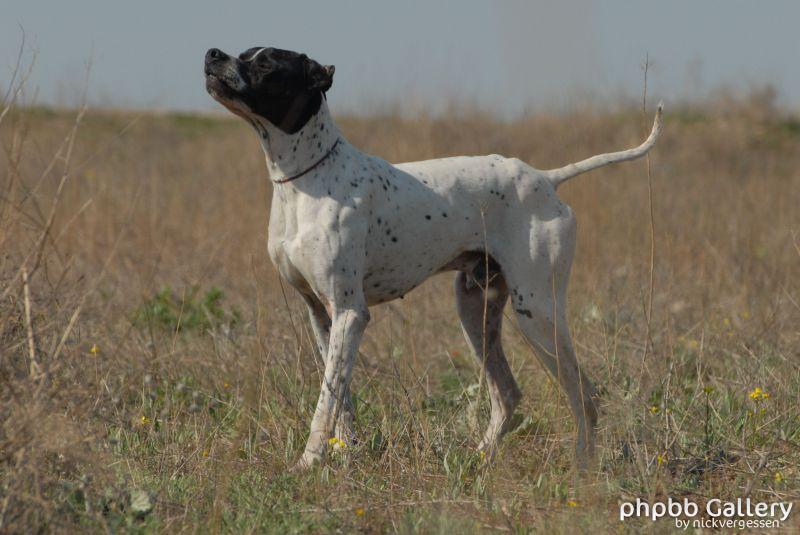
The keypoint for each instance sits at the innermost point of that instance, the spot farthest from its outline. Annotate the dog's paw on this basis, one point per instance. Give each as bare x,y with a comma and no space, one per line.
299,467
306,463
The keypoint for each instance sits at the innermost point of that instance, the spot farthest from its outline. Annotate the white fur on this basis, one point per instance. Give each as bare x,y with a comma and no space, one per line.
357,230
256,53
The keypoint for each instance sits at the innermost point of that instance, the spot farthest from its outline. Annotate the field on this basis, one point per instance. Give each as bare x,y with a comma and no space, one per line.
155,376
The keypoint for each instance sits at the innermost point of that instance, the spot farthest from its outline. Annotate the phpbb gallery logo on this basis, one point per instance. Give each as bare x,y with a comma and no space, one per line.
715,513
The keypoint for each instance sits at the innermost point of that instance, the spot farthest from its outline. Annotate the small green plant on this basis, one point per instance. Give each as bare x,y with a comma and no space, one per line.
190,310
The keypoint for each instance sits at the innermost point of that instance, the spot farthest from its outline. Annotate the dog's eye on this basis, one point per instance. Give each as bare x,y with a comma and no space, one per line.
264,67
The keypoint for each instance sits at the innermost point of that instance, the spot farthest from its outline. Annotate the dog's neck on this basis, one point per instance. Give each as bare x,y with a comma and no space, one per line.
290,155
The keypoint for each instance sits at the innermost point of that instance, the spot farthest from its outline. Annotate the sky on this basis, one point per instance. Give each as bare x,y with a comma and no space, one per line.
507,56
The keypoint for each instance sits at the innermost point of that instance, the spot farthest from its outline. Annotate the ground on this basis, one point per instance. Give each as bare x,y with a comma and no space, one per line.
157,377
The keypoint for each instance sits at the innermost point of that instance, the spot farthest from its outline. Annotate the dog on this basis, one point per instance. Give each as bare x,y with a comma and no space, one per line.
349,230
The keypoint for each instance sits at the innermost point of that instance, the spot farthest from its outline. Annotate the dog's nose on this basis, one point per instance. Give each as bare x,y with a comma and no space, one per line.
214,53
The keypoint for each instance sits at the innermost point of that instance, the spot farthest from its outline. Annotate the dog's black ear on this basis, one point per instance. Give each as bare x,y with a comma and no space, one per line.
319,77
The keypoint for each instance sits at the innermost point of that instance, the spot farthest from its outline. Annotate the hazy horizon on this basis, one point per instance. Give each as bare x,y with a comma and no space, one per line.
503,57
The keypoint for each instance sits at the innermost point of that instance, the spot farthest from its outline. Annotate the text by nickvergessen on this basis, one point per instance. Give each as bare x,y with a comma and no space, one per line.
739,514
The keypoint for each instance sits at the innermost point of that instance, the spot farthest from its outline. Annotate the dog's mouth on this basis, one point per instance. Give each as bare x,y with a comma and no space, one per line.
216,85
220,90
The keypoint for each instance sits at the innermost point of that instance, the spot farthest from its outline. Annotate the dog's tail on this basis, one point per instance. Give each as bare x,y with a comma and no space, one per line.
562,174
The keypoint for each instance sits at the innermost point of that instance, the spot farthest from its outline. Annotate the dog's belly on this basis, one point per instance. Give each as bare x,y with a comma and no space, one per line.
384,282
384,285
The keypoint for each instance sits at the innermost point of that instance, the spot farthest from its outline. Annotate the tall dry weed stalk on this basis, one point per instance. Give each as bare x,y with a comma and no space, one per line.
48,447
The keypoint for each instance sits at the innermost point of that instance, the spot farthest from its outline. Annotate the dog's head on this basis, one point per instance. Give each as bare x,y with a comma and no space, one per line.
268,82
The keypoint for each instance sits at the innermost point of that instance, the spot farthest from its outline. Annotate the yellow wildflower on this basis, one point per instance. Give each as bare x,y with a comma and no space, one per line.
94,350
482,454
572,503
758,394
654,409
226,385
778,477
661,459
360,511
336,442
144,420
205,453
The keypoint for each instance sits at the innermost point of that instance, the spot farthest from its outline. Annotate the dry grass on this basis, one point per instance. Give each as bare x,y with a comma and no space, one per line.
150,386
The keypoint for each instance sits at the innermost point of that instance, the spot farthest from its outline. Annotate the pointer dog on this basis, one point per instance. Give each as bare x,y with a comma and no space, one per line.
349,230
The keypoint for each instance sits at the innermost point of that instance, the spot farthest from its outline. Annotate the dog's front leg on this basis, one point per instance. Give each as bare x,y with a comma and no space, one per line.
321,325
347,327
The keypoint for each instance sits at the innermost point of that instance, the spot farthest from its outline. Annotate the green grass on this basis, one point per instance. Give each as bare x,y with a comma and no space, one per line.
414,469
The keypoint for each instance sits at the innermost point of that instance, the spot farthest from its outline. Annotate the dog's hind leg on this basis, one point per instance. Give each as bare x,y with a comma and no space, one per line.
538,286
481,314
553,346
321,325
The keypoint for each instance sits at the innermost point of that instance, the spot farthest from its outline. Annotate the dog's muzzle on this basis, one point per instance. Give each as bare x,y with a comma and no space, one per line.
223,78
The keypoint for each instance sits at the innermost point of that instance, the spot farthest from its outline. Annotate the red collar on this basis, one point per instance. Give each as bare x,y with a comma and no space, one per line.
313,166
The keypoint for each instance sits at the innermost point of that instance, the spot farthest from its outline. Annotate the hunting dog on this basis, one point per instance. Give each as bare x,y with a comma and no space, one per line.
349,230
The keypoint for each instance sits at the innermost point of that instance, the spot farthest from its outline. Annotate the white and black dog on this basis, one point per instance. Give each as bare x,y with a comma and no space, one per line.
349,230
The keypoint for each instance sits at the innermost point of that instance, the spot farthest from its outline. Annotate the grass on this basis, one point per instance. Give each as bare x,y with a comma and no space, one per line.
175,383
187,310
